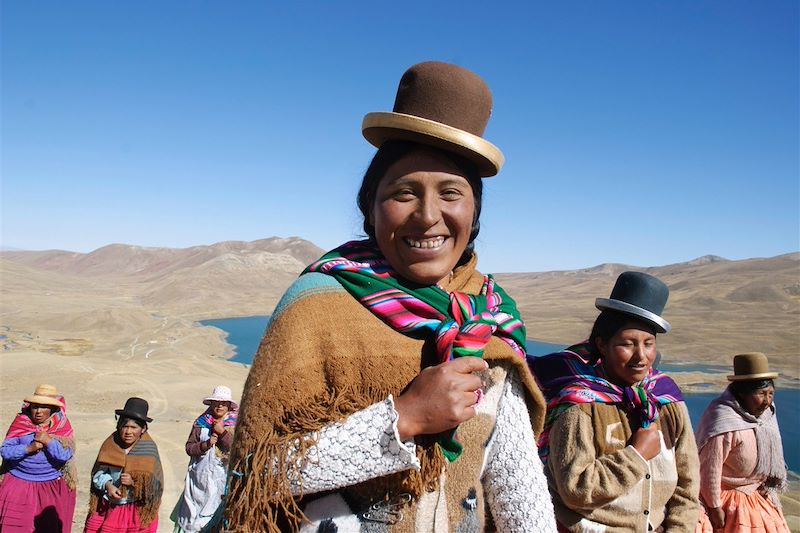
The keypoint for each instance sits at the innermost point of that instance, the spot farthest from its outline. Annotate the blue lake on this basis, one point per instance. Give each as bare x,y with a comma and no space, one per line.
245,334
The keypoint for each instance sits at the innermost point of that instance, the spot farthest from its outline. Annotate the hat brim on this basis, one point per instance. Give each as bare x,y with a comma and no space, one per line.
43,400
753,377
380,127
128,414
207,401
661,325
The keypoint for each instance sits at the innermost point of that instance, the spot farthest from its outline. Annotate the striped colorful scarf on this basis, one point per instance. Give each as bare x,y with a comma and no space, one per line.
143,463
575,376
206,420
57,424
462,324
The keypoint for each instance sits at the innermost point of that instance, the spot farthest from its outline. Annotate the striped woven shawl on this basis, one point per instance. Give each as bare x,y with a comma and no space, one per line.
143,463
576,376
462,324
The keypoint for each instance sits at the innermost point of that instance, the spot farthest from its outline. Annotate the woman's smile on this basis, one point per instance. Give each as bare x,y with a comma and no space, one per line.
426,244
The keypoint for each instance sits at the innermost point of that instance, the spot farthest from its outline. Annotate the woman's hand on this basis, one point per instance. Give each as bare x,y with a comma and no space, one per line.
43,437
219,428
439,398
113,492
126,480
34,447
647,442
212,440
717,517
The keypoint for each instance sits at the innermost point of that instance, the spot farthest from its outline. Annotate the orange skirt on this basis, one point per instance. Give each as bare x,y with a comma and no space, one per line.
746,514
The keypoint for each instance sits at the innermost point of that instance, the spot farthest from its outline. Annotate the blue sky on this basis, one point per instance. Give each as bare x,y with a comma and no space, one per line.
644,133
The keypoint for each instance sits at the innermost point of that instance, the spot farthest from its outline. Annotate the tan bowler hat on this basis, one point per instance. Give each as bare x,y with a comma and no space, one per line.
441,105
45,395
751,366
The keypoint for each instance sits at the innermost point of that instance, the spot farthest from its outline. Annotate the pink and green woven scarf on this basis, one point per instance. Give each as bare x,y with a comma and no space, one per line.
462,324
575,376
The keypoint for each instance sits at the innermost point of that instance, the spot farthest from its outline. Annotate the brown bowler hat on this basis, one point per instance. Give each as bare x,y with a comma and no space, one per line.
751,366
440,105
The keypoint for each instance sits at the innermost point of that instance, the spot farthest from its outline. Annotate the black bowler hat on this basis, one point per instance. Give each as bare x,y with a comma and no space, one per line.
639,295
135,408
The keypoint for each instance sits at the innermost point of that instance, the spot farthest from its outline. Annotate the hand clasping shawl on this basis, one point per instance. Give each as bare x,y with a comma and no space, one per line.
143,463
461,324
58,426
328,353
575,376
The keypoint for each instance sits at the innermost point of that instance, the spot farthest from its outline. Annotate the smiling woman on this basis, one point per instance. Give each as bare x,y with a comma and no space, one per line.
618,444
390,391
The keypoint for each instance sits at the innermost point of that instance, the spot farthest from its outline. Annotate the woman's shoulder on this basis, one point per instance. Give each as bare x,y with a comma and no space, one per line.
305,286
677,409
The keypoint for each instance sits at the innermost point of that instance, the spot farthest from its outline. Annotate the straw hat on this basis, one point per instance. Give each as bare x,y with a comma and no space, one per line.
221,393
439,105
751,366
639,295
45,395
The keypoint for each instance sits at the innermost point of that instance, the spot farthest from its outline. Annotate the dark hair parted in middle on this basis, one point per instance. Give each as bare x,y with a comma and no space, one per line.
387,155
608,323
121,421
741,388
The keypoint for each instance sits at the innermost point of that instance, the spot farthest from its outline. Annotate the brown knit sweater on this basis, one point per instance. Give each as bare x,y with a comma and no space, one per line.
597,479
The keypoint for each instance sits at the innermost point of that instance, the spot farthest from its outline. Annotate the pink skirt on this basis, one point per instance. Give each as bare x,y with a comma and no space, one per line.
35,505
117,519
746,514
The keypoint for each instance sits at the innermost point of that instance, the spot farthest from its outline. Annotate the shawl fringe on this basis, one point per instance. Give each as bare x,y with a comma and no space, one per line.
69,471
147,483
289,443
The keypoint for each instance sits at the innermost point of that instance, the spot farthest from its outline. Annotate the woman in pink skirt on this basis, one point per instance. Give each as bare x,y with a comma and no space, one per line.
127,480
37,490
742,468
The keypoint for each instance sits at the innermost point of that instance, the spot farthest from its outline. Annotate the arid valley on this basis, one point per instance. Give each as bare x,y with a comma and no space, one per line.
122,321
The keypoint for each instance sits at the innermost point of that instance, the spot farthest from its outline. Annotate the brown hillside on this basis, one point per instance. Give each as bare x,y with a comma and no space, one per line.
717,307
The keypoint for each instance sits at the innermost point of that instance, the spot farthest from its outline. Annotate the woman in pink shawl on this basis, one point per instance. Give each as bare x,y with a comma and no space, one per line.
742,468
37,490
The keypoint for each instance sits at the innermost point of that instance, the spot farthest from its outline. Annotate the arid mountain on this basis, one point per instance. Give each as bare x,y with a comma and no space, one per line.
717,307
58,291
139,262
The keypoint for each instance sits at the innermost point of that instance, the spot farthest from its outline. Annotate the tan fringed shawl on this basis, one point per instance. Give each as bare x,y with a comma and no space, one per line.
143,463
325,356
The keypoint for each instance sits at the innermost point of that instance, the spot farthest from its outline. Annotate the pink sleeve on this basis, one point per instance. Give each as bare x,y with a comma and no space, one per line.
712,457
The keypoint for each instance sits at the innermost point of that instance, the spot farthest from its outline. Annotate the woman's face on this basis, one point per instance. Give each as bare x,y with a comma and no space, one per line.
423,214
130,432
757,401
40,413
628,355
219,409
